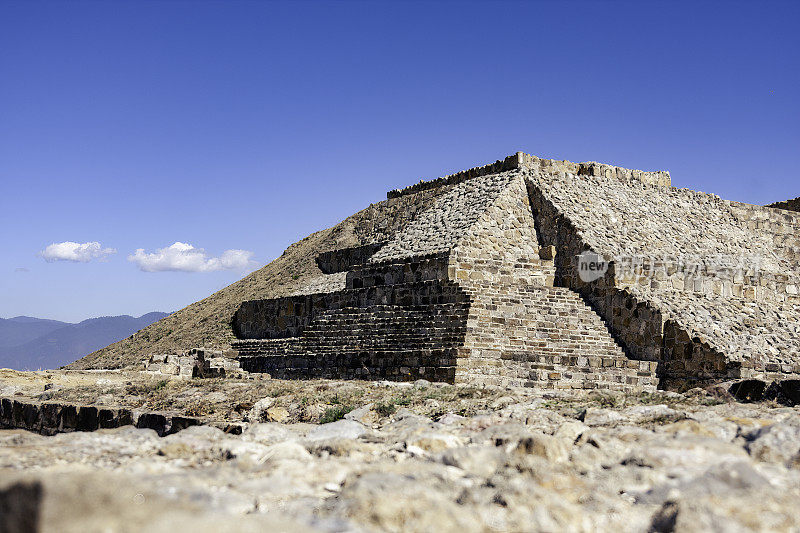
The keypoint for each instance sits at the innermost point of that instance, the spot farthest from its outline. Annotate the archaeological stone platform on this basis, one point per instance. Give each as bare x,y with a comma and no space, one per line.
476,278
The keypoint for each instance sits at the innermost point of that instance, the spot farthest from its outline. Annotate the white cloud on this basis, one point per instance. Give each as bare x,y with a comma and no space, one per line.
75,252
183,257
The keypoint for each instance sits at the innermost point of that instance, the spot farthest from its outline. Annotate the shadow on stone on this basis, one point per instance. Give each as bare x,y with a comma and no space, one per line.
748,390
19,507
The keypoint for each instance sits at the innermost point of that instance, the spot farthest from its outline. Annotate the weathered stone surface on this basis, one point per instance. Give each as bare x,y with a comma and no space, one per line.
595,416
554,449
365,415
342,429
268,433
258,413
432,442
779,442
277,414
78,502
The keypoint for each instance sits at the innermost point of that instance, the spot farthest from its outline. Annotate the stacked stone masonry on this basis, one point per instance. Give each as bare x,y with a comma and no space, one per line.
474,278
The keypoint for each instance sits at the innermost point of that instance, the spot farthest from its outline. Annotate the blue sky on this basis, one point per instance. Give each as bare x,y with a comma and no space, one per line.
245,126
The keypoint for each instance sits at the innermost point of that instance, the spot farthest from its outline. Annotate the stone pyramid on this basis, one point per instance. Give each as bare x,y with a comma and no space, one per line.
548,274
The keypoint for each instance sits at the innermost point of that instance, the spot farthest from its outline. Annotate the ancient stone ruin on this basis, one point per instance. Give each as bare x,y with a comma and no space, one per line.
193,363
548,274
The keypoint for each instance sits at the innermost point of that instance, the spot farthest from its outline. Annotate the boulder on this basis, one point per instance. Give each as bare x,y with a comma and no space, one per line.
341,429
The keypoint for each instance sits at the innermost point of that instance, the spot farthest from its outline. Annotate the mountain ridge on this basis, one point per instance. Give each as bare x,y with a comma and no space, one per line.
29,343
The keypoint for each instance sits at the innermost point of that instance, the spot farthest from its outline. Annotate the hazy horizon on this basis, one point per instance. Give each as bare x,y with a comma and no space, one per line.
83,319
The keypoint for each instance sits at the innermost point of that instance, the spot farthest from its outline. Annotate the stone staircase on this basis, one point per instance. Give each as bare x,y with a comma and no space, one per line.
544,337
504,334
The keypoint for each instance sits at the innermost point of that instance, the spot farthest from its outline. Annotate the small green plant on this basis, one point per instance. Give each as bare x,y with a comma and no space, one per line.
332,414
385,408
606,400
295,277
469,392
402,401
552,404
143,389
649,398
712,401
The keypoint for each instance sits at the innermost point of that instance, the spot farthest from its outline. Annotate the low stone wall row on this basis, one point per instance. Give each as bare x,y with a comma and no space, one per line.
377,342
395,364
49,418
522,160
511,162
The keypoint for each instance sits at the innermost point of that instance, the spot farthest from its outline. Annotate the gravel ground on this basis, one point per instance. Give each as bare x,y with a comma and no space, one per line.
402,457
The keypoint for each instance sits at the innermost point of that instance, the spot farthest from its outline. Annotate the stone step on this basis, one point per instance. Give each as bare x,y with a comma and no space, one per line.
381,330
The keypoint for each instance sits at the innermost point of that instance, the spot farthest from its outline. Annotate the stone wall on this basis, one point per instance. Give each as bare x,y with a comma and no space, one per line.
49,418
521,161
289,316
511,162
780,226
591,168
380,221
447,221
709,276
375,284
399,341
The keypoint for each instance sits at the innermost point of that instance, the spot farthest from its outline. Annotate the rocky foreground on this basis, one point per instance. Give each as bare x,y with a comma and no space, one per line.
351,456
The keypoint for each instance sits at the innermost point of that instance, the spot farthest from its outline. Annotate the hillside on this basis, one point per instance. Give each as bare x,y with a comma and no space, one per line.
63,342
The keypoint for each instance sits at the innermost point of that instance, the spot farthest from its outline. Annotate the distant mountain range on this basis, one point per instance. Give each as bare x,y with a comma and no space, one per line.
28,343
